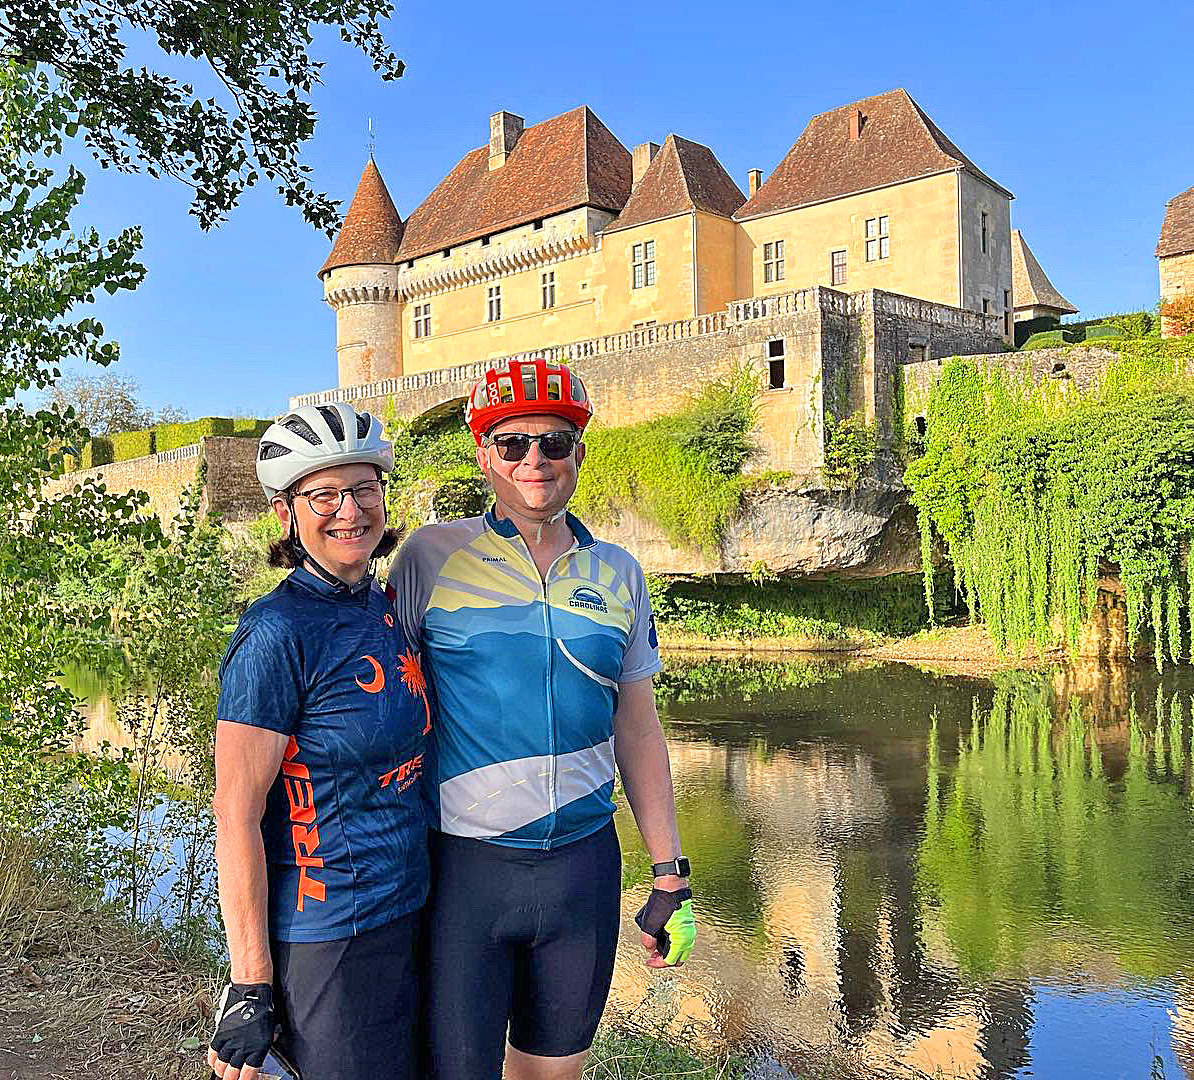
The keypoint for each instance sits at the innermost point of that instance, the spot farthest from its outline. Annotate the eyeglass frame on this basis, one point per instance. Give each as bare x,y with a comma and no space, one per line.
380,481
576,437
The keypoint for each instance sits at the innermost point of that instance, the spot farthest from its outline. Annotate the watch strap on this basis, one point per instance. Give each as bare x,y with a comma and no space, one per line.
679,866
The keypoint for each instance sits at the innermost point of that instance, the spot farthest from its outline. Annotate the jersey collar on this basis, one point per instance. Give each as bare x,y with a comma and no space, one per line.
300,575
505,527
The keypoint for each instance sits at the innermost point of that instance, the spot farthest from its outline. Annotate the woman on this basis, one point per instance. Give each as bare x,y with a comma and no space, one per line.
322,717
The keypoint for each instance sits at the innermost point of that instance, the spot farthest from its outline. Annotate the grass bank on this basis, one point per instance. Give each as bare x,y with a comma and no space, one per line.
83,993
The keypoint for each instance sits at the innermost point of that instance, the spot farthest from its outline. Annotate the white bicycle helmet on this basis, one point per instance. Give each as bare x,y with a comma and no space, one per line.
315,437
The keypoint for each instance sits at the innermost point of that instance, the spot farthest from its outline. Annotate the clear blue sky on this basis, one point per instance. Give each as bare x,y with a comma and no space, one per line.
1084,110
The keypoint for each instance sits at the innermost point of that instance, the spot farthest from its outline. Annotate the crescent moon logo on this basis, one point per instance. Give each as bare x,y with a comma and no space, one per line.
377,684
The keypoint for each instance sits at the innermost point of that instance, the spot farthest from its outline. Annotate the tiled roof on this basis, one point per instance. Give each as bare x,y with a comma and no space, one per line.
568,161
683,176
372,229
897,142
1177,231
1031,286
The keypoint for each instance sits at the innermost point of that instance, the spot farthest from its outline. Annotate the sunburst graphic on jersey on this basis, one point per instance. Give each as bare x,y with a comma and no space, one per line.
414,681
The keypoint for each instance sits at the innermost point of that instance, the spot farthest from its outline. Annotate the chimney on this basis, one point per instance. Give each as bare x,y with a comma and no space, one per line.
855,123
644,154
504,129
753,179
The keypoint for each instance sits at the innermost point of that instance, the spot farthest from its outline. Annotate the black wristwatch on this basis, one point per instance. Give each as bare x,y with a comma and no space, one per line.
678,866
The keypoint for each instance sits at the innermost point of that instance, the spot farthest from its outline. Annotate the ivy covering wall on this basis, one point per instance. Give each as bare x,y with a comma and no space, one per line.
1033,486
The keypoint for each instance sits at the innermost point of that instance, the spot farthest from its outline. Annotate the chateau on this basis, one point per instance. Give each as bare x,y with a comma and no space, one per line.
556,233
1175,251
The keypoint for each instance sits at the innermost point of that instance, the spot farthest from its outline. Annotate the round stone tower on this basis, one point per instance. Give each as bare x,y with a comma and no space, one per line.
360,281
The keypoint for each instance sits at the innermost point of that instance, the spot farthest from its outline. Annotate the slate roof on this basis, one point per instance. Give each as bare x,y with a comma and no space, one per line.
897,142
559,164
1031,286
372,229
1177,231
683,176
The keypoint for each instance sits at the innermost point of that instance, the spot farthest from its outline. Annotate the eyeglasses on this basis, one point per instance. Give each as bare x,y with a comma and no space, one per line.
326,501
553,445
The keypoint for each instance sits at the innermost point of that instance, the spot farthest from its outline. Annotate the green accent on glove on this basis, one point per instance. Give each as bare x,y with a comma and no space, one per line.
681,931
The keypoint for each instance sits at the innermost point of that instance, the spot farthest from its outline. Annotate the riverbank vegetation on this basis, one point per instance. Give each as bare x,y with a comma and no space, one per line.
1035,488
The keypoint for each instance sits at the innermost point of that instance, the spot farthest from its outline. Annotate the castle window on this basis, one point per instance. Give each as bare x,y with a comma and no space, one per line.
1007,312
643,262
775,364
422,320
916,354
837,268
984,228
537,224
547,290
643,334
986,306
877,241
485,241
447,252
493,309
773,261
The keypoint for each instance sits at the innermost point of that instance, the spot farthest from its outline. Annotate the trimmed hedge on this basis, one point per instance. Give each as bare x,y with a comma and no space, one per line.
1028,327
172,436
132,444
1103,330
98,451
246,427
1049,340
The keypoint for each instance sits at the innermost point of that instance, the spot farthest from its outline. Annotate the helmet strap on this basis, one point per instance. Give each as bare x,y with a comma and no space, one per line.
309,559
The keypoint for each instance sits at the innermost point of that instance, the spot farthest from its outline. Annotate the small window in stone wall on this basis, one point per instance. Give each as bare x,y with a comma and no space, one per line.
422,320
493,307
776,376
916,353
984,231
547,289
642,258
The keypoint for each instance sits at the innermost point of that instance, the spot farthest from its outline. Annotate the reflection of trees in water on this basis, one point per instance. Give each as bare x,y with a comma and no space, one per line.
1033,860
852,911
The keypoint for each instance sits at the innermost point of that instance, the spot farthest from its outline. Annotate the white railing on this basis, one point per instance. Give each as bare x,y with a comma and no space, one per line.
179,453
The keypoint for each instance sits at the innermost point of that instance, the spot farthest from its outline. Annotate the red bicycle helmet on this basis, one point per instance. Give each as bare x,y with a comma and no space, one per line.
523,387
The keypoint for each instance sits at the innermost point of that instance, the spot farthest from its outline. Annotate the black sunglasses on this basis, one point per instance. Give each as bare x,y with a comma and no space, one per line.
553,445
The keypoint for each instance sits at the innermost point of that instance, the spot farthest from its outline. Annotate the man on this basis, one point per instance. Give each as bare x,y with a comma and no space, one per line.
540,645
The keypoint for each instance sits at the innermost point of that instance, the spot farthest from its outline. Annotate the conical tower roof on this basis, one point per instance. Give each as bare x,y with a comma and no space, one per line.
1031,286
372,229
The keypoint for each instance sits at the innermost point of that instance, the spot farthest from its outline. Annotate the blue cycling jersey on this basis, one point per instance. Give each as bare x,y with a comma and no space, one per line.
526,674
344,827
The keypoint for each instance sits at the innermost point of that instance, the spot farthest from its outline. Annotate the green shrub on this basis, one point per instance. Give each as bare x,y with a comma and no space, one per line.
1025,329
247,427
674,470
850,446
1053,338
172,436
132,444
1032,487
1103,330
98,451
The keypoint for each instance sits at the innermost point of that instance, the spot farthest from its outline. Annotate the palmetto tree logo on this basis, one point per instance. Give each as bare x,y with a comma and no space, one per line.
414,680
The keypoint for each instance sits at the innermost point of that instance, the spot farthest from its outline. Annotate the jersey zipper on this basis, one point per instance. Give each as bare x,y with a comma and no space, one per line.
548,667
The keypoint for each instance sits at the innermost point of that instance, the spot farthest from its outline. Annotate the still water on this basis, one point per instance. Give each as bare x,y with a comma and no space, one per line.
904,874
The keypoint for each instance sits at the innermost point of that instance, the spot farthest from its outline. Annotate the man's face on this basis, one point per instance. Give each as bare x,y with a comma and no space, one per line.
343,542
535,485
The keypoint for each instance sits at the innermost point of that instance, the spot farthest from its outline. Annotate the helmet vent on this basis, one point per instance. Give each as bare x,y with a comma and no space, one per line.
301,428
363,422
334,421
271,450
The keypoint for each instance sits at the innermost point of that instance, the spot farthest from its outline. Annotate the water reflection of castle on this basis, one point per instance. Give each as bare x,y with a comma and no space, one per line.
821,941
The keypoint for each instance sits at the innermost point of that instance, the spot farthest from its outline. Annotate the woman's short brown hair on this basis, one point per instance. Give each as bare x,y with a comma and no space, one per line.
283,552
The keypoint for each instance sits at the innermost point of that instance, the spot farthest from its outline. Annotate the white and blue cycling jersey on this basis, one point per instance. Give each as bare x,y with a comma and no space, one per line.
526,674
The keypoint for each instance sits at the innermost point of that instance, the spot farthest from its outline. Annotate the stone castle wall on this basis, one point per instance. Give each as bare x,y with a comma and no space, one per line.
230,486
1177,280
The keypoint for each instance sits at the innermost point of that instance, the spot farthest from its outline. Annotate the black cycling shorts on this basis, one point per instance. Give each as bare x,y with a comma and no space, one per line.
518,939
349,1009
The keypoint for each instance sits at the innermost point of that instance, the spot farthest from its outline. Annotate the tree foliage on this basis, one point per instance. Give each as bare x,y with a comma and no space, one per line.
109,403
1033,486
135,118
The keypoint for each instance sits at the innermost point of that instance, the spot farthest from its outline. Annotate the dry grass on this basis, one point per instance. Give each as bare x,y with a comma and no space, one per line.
81,994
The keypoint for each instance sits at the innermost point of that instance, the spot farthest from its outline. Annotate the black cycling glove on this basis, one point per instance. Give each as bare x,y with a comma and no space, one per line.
244,1024
668,918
